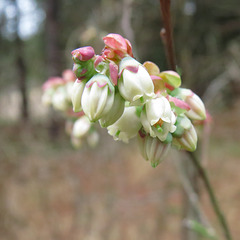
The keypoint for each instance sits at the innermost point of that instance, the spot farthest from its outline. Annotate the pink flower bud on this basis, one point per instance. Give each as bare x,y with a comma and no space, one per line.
83,53
68,75
116,47
116,42
113,69
53,82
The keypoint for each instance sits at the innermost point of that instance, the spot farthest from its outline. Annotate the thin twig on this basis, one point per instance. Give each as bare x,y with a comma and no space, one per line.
203,174
166,35
192,195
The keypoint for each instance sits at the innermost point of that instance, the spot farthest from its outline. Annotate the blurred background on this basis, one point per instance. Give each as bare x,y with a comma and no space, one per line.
49,190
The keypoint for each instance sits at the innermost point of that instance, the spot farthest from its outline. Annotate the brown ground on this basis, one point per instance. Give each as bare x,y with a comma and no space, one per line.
50,191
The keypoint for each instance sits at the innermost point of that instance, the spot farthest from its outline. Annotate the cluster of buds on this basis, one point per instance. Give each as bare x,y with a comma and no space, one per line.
132,99
57,92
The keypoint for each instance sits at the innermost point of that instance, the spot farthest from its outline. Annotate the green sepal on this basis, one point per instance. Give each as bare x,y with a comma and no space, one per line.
177,110
82,65
154,164
171,77
139,110
175,92
178,132
168,139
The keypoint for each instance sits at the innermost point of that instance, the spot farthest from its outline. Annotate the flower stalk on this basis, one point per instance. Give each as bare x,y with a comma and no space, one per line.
203,174
166,35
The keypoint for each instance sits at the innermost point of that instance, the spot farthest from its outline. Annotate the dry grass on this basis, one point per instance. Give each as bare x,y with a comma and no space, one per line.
50,191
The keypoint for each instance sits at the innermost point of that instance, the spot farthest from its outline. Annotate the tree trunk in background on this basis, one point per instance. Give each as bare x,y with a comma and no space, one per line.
52,38
53,54
21,69
22,76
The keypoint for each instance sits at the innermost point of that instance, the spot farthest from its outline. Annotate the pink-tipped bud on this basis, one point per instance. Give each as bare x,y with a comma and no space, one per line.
197,109
53,82
113,69
83,53
68,75
116,47
97,97
116,42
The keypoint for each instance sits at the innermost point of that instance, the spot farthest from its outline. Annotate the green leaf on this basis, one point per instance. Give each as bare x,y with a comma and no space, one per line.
201,229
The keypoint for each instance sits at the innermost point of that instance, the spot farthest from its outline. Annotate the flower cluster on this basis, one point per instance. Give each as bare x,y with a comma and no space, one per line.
57,92
132,99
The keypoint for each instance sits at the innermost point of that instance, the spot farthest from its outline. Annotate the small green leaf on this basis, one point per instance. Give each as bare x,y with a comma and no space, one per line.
201,229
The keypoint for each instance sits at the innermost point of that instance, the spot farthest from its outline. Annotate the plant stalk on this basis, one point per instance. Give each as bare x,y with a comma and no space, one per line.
203,174
166,35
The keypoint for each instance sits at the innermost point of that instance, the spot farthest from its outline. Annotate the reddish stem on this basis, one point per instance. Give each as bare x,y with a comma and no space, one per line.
166,33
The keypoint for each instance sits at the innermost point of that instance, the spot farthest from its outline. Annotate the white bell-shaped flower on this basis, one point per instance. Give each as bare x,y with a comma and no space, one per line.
81,127
197,109
157,118
76,95
187,141
98,97
60,99
182,125
47,96
135,84
115,113
93,139
68,87
152,149
127,126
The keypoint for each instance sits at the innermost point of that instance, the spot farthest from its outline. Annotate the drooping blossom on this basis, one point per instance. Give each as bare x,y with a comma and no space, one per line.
135,84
